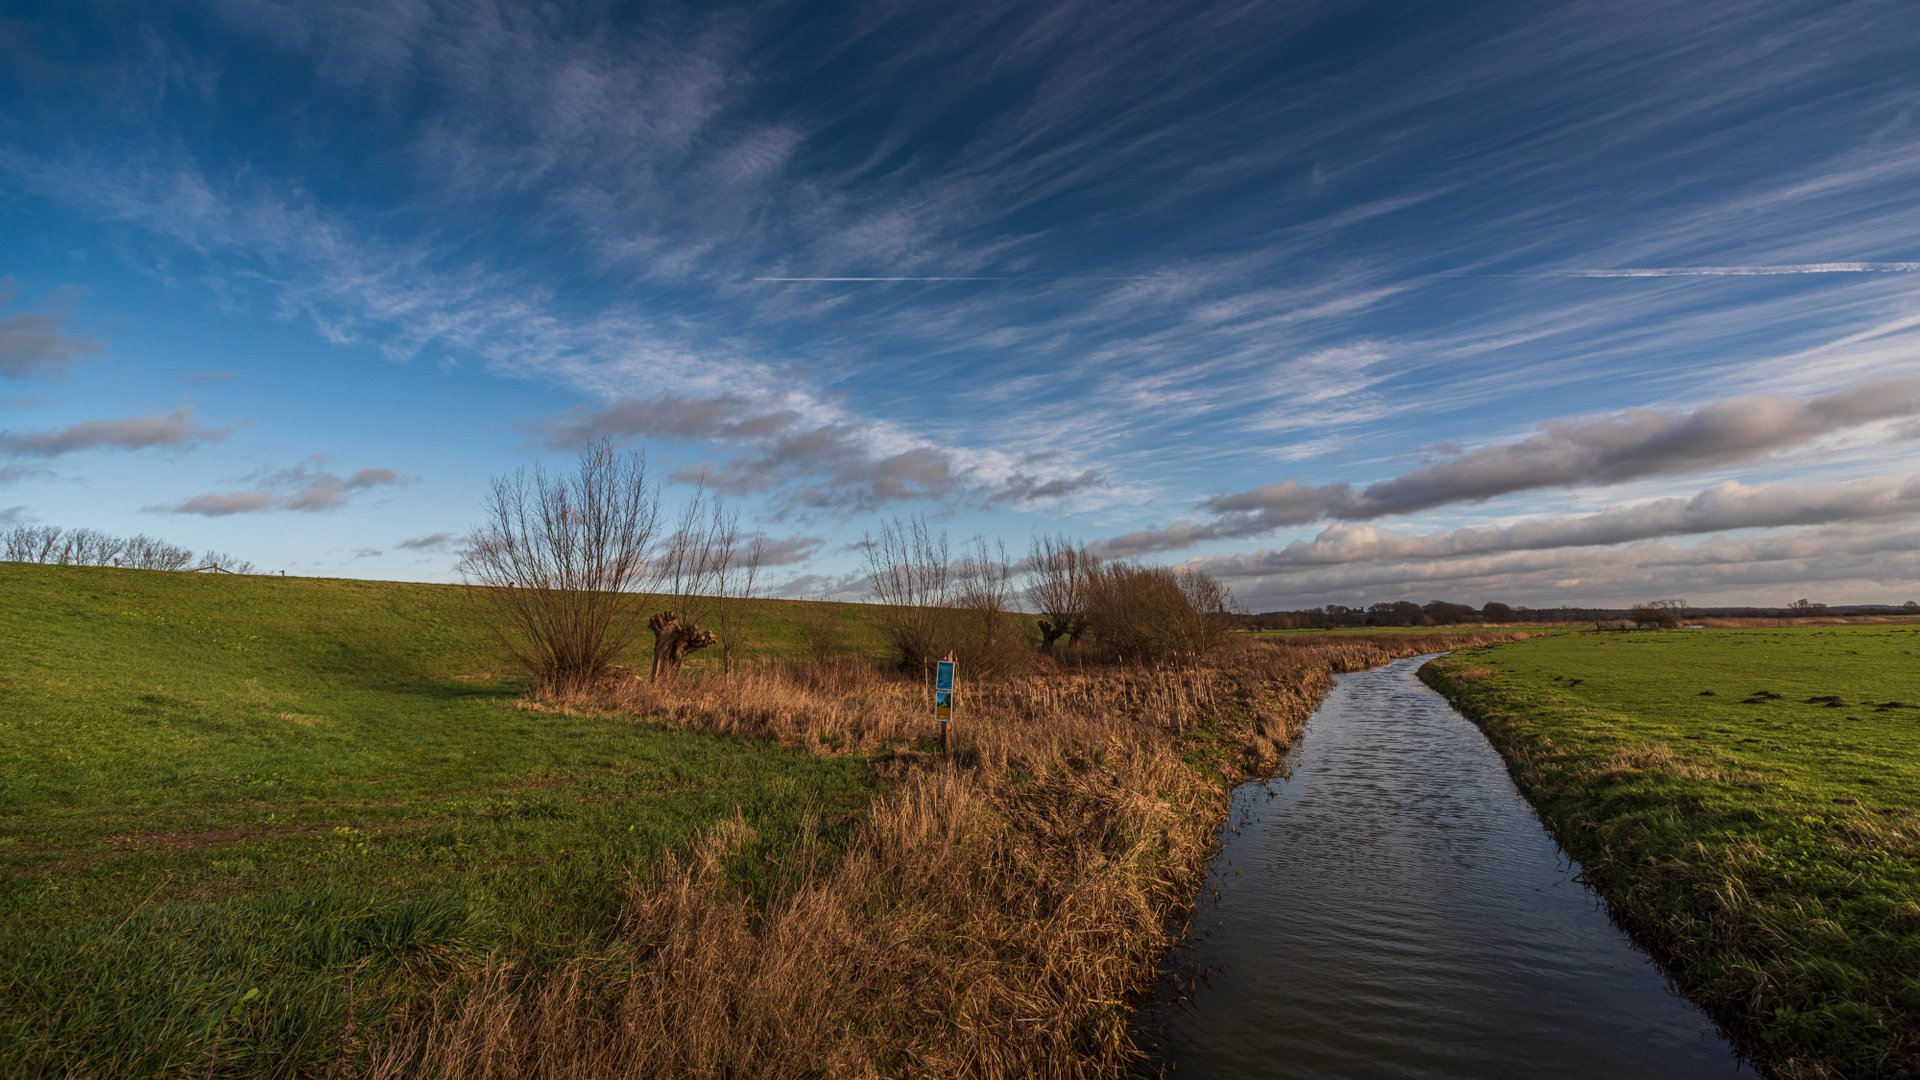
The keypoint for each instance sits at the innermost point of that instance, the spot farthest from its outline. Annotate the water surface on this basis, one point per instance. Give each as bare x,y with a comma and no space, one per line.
1395,909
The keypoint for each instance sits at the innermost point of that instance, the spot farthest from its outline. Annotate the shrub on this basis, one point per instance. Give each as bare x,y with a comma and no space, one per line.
1157,615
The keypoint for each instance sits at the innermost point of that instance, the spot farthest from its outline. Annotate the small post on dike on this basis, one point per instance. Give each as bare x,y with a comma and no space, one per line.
943,697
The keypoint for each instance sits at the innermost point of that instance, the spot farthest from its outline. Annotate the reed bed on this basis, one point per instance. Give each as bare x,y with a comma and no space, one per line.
1001,909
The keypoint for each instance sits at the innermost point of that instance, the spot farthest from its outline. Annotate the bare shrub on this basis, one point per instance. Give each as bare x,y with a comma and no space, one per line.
1060,588
143,552
738,586
983,591
1156,615
1665,614
223,562
910,571
90,547
933,604
556,561
30,543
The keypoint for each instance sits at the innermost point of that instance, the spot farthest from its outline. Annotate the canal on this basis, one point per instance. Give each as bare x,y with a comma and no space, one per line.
1393,908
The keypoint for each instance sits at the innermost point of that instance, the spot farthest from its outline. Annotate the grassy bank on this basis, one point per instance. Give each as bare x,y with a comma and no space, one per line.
233,808
1746,800
264,826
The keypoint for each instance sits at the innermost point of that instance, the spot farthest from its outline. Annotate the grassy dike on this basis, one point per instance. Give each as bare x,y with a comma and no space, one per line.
241,815
263,826
1748,803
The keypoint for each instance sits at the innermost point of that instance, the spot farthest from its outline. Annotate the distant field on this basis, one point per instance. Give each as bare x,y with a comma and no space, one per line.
1748,800
1466,628
221,796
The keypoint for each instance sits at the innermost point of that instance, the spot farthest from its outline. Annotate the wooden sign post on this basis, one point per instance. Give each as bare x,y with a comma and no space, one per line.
943,697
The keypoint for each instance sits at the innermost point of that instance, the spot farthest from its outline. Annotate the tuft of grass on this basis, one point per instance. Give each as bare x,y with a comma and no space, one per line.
1763,845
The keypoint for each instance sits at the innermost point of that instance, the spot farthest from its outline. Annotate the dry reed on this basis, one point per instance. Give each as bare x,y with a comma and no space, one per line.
999,911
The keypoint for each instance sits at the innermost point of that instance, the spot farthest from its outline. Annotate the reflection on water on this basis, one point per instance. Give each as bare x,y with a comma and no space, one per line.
1395,909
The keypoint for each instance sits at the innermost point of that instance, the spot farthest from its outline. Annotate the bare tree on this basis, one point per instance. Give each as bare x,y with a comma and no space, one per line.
143,552
31,543
1061,587
90,547
557,559
1665,614
1215,611
688,579
739,585
223,563
983,590
910,570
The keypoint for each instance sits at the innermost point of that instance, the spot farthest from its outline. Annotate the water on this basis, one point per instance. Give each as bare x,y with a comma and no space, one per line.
1395,909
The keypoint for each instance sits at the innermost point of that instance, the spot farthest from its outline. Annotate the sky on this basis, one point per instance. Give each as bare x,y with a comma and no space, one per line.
1582,303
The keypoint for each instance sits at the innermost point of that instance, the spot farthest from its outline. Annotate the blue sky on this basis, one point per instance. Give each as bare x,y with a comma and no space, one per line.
1579,303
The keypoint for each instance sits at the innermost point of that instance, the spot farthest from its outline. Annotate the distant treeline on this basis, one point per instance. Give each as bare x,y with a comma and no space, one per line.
1442,613
91,547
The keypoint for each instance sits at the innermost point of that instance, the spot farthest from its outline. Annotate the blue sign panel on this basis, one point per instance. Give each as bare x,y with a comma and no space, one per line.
943,676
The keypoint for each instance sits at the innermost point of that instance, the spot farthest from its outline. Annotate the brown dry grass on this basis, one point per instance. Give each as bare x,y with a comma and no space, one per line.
1000,910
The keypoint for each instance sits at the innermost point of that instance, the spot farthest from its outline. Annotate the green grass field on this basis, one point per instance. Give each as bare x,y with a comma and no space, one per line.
1748,800
222,799
1464,628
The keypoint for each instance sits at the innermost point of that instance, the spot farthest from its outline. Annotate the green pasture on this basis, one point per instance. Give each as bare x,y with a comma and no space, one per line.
1748,801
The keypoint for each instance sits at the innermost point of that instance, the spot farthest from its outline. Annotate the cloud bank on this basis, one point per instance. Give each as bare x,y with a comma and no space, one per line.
1721,508
1628,445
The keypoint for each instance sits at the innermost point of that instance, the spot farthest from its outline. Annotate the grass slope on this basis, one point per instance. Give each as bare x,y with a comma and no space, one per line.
1746,801
231,806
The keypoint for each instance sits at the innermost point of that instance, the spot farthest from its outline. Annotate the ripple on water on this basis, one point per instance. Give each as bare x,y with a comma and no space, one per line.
1395,909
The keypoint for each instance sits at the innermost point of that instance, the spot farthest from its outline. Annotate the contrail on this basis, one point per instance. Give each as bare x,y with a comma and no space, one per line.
1742,271
1598,272
1056,277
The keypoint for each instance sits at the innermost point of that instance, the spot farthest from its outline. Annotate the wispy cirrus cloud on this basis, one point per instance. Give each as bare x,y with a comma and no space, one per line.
814,458
1100,262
